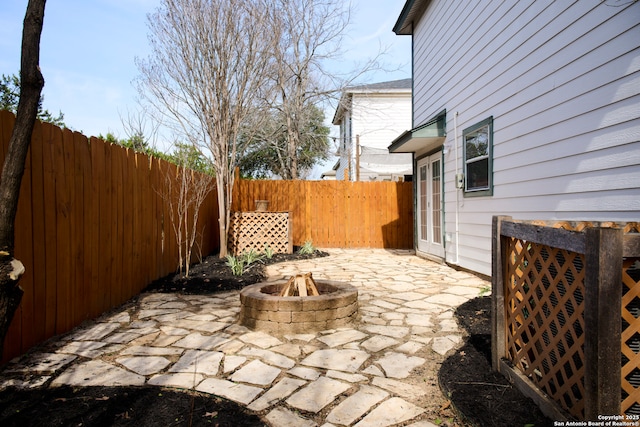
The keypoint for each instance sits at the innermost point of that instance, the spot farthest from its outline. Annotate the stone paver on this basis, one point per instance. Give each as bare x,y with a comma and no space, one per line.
237,392
356,405
378,342
198,341
390,412
196,361
342,360
342,337
360,375
144,365
318,394
282,389
256,372
398,387
399,365
97,372
283,417
44,362
179,380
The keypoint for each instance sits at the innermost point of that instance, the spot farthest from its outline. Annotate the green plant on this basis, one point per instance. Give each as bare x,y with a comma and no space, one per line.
485,290
251,256
307,248
236,264
268,252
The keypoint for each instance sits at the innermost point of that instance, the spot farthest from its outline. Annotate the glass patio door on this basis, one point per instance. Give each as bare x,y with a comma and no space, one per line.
430,220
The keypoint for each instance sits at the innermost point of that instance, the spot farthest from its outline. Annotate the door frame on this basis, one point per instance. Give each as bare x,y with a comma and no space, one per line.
430,236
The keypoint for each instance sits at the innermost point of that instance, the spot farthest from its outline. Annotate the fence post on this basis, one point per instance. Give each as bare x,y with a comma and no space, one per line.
602,318
498,346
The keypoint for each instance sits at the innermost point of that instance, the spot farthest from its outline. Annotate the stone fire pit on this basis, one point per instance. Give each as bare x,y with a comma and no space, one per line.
263,308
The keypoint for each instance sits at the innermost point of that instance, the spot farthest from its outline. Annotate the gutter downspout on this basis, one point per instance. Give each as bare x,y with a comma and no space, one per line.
455,142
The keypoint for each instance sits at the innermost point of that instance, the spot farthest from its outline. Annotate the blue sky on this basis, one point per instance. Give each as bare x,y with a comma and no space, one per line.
88,49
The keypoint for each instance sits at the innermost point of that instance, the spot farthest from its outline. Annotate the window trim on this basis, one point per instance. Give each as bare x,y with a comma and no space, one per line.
483,191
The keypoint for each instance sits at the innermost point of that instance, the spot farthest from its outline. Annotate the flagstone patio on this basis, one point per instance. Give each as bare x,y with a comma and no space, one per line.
380,371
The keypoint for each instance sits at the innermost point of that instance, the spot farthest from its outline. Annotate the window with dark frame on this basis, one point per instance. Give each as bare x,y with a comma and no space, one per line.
478,161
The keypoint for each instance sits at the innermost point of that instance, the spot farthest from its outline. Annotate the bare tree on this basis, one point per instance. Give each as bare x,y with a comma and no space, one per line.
312,35
206,74
185,190
31,86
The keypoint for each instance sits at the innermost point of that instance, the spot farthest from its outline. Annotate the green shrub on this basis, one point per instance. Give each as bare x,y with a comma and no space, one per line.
251,256
236,264
307,248
268,252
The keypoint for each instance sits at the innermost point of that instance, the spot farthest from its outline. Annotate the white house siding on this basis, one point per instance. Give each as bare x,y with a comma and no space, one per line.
380,118
562,82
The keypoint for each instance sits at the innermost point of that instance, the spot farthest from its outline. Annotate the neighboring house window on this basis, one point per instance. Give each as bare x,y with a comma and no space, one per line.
478,162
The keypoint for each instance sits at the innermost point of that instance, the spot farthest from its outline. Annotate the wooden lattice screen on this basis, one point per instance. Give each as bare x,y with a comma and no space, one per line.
259,230
545,339
559,289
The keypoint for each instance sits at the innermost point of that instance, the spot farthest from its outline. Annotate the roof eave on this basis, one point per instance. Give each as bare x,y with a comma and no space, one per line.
410,12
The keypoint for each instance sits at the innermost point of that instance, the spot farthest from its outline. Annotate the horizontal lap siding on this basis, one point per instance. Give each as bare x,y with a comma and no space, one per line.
89,230
562,83
379,119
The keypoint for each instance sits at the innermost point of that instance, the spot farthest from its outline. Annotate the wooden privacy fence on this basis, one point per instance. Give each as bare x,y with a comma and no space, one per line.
92,229
337,214
566,314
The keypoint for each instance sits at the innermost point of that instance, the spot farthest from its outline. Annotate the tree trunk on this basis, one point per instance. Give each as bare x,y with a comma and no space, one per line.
222,214
31,83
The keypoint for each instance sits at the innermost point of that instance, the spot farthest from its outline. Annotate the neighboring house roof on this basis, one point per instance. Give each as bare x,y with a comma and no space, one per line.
402,85
328,174
412,11
382,86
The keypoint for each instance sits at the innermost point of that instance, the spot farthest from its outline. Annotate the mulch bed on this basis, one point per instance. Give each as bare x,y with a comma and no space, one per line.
214,275
482,397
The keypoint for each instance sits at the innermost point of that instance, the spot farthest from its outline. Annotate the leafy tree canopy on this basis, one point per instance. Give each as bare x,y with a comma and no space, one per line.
267,154
10,95
183,154
136,143
188,156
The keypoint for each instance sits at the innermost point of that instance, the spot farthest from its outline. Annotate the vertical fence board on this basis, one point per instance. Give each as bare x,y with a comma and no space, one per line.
24,252
86,173
38,226
118,160
63,226
107,227
99,226
157,238
79,294
147,219
83,167
50,235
